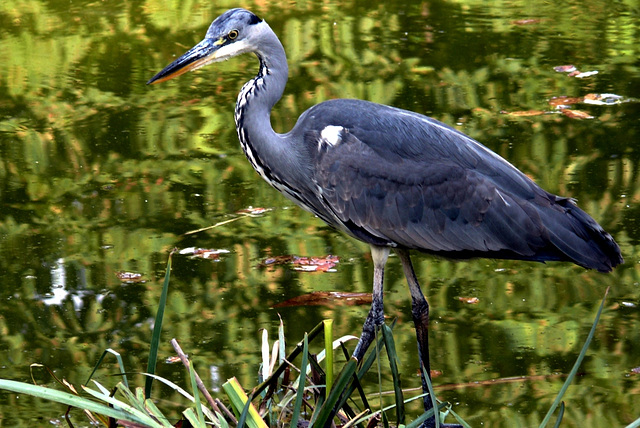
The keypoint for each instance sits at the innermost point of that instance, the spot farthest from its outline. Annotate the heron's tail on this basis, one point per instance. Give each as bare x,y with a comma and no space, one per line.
581,239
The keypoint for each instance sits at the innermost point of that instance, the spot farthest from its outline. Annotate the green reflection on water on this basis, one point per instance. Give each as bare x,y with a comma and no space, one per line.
100,173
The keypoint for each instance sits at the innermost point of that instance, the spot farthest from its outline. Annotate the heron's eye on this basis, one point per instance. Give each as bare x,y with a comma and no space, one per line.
233,34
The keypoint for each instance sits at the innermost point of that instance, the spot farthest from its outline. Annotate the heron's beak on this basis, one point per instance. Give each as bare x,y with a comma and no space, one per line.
200,55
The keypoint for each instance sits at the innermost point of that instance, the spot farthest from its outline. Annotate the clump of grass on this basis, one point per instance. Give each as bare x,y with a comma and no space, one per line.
314,396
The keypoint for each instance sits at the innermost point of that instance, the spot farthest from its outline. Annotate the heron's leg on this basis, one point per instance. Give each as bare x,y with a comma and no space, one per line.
420,313
376,314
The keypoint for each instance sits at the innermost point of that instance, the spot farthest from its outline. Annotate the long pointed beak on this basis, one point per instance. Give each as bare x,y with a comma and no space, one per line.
200,55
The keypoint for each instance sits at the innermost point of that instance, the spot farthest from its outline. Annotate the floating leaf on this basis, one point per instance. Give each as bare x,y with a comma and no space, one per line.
583,74
526,21
603,99
130,277
573,71
469,300
203,253
435,373
254,210
524,113
565,68
563,101
576,114
327,298
305,264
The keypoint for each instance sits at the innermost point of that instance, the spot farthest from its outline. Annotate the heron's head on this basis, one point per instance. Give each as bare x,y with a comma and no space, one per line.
233,33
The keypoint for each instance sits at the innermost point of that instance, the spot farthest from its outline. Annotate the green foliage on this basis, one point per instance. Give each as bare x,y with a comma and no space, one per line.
120,410
141,410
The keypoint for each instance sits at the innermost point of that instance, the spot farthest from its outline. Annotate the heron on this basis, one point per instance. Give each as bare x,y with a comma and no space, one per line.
394,179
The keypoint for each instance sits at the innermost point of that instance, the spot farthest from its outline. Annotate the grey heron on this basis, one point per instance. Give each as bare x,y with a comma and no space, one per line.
394,179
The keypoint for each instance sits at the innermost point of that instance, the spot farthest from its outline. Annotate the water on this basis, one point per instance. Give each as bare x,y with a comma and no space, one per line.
102,174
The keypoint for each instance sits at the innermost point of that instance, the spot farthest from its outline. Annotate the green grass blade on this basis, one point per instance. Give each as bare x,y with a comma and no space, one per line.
171,385
423,417
102,389
342,394
157,329
120,365
153,410
459,419
297,406
196,397
338,389
193,419
129,409
319,405
368,362
328,347
242,405
560,415
385,420
432,395
222,422
576,366
292,356
387,335
121,410
131,397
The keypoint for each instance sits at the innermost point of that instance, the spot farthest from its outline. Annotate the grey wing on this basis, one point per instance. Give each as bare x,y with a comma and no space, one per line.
435,207
453,211
392,177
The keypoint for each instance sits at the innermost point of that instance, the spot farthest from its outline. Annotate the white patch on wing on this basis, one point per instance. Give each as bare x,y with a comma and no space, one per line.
331,135
502,197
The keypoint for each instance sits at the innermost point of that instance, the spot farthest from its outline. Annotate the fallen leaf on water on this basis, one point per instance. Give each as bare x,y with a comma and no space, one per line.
254,210
526,21
603,99
573,71
469,300
203,253
524,113
129,277
576,114
305,264
565,68
582,74
563,101
327,298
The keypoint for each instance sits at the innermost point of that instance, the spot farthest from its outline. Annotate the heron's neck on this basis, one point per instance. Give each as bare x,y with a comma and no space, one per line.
255,101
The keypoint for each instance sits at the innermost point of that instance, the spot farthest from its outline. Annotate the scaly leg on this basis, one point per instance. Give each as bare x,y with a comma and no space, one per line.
420,314
376,314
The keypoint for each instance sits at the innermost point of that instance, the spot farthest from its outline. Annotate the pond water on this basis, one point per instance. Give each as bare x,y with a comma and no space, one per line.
101,174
